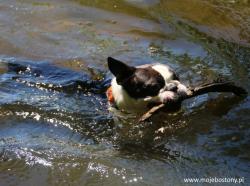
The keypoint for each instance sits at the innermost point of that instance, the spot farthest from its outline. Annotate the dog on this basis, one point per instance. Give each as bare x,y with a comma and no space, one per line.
139,88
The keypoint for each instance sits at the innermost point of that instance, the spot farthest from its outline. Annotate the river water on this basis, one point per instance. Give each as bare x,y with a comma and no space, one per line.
55,124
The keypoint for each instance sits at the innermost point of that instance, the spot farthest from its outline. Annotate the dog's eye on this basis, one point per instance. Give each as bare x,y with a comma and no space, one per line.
155,87
137,90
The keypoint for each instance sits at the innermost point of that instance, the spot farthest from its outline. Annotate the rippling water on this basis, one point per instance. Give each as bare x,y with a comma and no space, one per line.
55,125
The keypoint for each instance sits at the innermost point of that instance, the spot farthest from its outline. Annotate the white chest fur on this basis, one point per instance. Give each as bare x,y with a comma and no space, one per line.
124,101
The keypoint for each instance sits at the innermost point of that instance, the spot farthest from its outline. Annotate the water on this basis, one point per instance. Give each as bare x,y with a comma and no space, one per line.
55,126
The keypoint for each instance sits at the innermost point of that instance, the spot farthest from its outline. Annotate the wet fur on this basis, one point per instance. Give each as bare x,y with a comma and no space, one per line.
136,88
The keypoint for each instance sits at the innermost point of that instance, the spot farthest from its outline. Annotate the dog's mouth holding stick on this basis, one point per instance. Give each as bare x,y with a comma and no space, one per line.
155,87
192,92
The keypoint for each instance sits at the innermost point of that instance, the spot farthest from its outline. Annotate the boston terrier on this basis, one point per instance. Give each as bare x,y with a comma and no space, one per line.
139,88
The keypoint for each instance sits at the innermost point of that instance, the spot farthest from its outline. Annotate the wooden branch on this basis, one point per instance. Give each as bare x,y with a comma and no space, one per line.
192,92
152,111
216,87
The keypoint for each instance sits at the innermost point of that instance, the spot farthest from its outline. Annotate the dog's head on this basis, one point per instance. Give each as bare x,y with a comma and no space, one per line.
138,82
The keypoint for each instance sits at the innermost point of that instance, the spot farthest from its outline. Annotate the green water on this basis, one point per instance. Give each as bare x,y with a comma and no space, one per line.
55,126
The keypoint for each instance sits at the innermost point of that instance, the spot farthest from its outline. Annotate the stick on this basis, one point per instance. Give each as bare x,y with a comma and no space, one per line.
151,112
203,89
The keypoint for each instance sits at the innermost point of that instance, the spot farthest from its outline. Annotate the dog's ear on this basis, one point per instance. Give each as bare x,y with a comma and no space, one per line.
120,70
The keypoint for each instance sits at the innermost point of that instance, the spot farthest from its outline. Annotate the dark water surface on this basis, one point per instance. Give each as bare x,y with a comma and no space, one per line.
55,126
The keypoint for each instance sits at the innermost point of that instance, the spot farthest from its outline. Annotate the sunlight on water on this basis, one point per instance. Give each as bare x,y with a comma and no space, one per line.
55,123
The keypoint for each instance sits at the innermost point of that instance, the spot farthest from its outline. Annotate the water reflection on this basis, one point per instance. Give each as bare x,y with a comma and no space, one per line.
55,122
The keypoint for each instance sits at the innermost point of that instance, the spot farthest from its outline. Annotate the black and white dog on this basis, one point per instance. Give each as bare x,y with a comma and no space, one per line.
138,88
